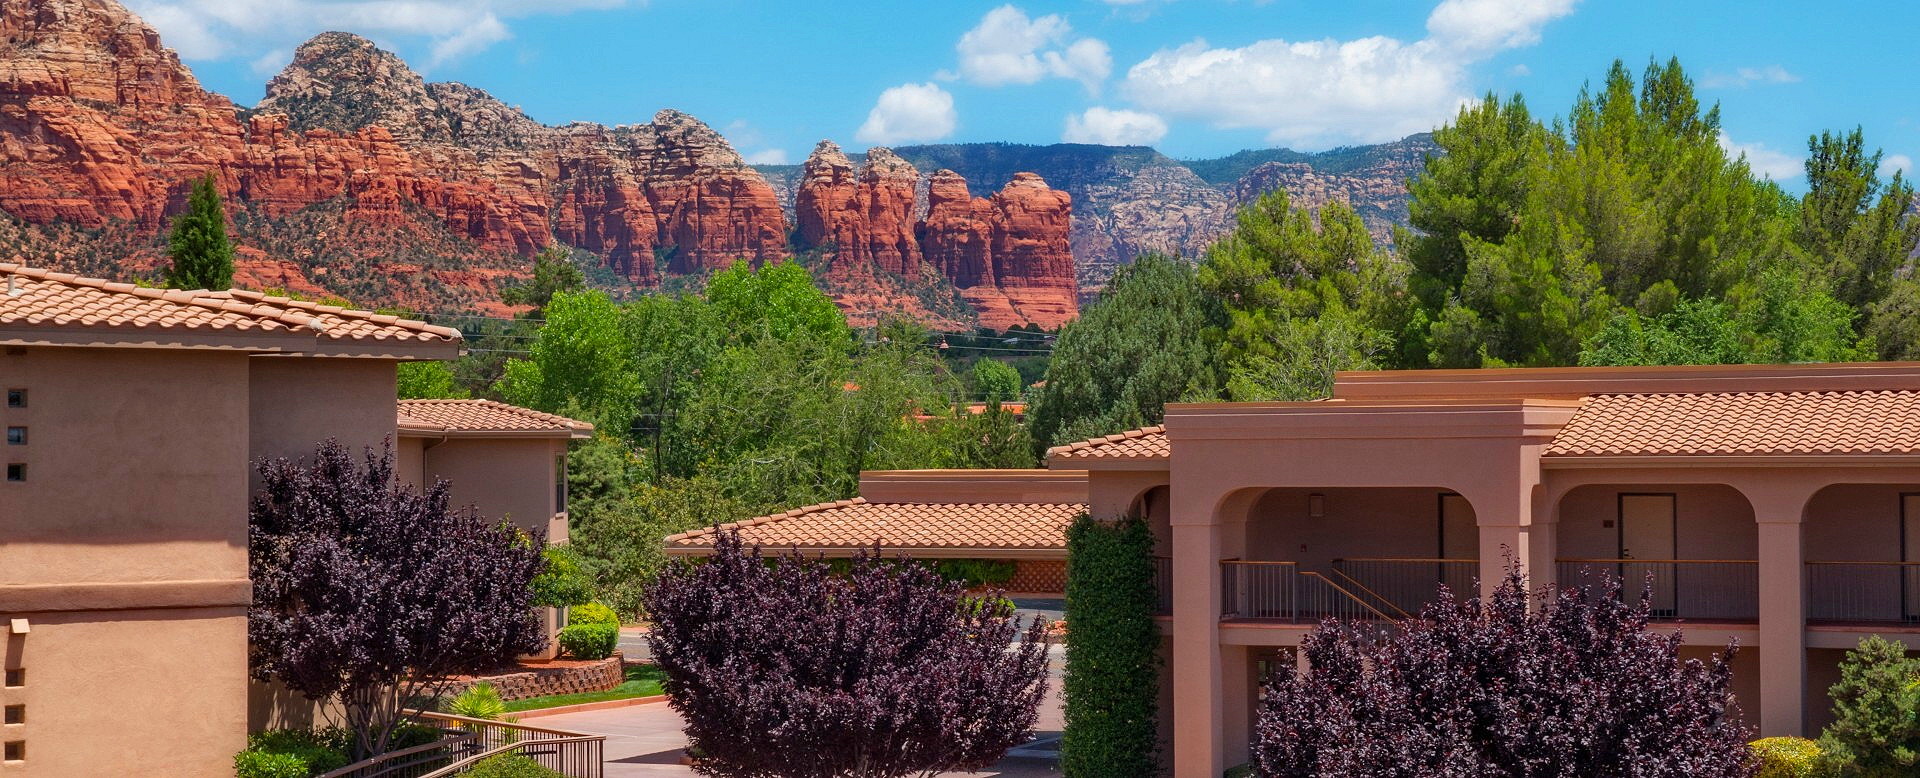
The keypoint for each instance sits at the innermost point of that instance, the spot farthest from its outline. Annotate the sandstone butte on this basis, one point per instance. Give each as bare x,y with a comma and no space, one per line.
1009,255
101,125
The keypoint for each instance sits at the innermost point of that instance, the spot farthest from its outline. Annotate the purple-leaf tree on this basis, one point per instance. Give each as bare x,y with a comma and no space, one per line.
1490,688
788,669
367,593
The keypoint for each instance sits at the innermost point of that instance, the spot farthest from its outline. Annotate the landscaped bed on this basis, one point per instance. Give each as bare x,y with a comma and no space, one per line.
642,681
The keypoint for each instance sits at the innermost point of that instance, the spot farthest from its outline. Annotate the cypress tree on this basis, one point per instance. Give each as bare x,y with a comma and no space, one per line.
202,256
1111,688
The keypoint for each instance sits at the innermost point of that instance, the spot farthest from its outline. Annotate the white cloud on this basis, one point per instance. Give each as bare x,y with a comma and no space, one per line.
1893,162
1324,92
1745,77
1767,162
271,62
1520,70
1111,127
767,157
1008,47
448,29
909,112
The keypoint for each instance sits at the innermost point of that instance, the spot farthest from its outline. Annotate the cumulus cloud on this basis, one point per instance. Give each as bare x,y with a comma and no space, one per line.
1111,127
908,113
1325,92
449,29
1745,77
1765,161
1008,47
1896,162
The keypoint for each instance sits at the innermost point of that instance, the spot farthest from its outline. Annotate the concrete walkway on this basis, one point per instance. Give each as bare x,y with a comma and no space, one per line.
645,740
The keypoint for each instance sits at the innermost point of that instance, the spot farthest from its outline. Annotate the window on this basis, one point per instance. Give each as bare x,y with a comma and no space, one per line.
16,398
16,751
560,484
16,436
16,677
16,714
16,472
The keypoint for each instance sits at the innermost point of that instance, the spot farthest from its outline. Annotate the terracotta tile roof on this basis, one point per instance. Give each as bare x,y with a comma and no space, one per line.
1743,423
41,300
1143,443
983,528
483,416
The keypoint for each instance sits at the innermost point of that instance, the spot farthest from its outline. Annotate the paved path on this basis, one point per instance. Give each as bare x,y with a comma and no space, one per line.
645,740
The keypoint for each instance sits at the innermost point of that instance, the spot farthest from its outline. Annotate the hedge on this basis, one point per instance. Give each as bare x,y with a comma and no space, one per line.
1111,686
590,641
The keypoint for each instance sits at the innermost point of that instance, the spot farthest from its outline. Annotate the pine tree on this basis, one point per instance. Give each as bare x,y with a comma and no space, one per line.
202,256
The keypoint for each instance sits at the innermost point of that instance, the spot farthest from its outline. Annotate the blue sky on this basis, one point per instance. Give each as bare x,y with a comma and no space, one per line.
1194,78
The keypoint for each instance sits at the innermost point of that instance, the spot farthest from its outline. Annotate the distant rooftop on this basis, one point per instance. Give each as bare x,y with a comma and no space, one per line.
483,418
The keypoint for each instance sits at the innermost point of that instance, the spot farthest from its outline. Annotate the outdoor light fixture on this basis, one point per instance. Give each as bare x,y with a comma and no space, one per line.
19,627
1316,506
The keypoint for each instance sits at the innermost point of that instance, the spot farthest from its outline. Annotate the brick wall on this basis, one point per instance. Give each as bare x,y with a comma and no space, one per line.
573,678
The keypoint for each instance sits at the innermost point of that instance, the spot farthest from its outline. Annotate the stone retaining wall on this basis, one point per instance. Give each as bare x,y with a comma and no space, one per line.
535,681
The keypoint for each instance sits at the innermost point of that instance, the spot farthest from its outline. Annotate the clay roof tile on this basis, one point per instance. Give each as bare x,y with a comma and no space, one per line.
1743,424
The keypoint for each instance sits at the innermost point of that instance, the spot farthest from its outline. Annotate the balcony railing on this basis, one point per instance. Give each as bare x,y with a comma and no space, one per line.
1714,589
1863,591
470,740
1408,584
1280,591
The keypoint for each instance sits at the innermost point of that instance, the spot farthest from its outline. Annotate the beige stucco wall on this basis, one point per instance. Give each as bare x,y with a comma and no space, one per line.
503,477
1711,521
1398,522
298,402
409,465
1855,523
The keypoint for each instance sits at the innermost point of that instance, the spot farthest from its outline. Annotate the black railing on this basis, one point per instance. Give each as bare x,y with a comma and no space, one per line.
1714,589
1863,591
1409,584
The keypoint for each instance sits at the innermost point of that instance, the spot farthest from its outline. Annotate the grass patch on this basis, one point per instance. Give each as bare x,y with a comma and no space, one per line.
642,681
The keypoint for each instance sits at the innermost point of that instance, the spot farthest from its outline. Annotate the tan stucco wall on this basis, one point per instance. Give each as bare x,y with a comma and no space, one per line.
502,477
1358,523
136,467
1855,523
1711,521
157,692
299,402
409,465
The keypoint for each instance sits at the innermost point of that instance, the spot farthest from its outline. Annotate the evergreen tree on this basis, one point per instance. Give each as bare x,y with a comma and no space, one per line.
202,256
1852,229
1876,713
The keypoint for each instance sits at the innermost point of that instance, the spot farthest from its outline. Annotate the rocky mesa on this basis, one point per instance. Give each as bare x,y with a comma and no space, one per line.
357,177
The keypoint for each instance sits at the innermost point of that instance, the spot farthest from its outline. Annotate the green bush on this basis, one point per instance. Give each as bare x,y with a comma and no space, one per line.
975,573
1876,713
1113,652
590,640
479,701
511,766
1786,757
563,582
291,753
592,613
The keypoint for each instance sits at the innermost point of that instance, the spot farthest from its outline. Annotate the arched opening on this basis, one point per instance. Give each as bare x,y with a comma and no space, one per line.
1862,548
1689,550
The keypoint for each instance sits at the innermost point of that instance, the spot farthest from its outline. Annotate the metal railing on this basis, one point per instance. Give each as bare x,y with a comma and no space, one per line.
1163,585
1718,589
469,740
1280,591
1863,591
1409,584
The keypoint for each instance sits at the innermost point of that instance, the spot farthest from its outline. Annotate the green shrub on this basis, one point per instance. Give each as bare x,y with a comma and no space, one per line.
590,640
511,766
1113,652
479,701
291,753
592,613
975,573
1876,713
563,582
1786,757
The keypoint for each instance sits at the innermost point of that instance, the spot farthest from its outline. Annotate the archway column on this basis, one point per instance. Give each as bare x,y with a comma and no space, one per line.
1204,531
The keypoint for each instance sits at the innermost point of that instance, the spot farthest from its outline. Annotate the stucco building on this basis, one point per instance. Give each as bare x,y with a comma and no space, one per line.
132,418
1774,505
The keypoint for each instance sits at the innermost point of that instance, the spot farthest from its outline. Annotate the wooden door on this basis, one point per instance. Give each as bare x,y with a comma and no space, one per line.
1647,534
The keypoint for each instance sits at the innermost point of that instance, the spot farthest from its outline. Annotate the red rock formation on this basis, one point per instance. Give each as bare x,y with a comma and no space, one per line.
864,219
886,188
957,235
1032,258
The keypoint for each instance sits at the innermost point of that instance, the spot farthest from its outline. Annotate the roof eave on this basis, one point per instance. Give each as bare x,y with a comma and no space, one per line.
1590,462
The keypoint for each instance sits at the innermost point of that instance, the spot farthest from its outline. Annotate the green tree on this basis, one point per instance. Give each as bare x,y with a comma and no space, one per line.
1112,697
1775,319
1306,297
994,381
202,257
428,381
1876,711
1852,229
1144,343
1473,192
553,272
581,364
